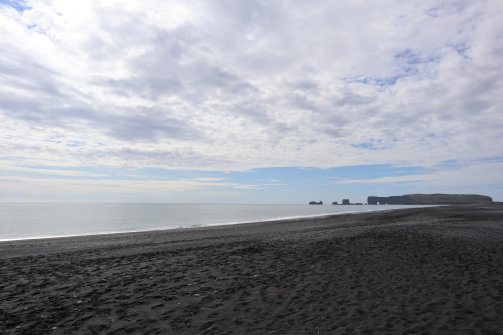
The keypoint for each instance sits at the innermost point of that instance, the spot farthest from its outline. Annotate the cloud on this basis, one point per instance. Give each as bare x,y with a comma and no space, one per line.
67,185
481,174
226,85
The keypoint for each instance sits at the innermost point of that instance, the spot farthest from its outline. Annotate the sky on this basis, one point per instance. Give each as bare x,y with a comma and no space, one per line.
234,101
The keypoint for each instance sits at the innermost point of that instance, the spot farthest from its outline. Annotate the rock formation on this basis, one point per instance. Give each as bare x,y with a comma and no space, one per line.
429,199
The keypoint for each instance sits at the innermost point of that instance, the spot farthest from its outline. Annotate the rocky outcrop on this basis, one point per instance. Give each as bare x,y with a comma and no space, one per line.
429,199
316,203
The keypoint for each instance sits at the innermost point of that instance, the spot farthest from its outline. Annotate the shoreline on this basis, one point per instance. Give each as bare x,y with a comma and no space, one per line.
417,271
196,226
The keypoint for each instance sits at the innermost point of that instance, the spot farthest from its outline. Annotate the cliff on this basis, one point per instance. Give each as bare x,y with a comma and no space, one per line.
429,199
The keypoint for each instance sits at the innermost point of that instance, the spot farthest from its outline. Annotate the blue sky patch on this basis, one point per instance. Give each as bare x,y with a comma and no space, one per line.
20,6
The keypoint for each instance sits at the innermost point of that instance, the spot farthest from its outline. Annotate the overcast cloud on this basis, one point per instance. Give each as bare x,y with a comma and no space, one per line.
238,85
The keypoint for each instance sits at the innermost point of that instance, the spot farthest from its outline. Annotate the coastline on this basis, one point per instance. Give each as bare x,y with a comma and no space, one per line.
192,226
420,270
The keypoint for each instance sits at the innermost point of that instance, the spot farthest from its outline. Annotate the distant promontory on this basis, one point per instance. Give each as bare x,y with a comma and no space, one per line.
429,199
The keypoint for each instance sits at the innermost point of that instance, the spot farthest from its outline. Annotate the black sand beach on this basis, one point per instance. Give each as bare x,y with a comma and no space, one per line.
435,270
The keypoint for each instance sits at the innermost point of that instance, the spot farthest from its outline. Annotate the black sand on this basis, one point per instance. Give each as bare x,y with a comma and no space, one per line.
412,271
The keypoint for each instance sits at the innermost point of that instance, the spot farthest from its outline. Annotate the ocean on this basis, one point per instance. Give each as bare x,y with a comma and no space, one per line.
41,220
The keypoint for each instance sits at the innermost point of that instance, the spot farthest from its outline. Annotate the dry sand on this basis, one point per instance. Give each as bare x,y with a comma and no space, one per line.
411,271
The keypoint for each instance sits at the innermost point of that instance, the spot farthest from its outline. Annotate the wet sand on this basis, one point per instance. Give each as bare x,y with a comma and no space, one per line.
411,271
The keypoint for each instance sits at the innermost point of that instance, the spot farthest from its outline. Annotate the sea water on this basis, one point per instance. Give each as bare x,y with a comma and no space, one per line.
39,220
